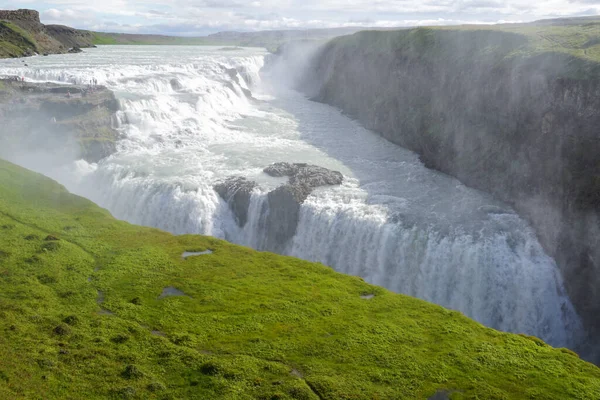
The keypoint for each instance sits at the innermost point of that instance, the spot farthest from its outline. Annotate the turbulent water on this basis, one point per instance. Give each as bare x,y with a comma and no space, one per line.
393,221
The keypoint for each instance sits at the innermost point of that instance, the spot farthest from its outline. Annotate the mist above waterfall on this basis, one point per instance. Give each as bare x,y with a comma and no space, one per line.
192,117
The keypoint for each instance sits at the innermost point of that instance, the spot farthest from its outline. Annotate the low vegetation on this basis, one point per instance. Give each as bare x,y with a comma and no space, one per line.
14,41
577,42
92,307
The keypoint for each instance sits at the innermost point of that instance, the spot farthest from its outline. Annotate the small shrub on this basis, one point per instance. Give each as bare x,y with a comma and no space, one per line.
120,338
181,340
33,260
32,237
51,238
71,320
156,387
137,301
299,393
210,368
51,246
62,330
132,372
45,363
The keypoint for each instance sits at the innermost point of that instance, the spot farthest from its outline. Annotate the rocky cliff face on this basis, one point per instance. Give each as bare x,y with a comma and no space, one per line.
522,126
67,120
20,15
22,34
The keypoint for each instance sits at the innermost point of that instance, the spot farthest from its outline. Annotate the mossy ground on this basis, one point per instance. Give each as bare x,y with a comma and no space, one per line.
80,317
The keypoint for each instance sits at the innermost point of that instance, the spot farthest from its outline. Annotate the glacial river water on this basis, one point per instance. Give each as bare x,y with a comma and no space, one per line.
393,221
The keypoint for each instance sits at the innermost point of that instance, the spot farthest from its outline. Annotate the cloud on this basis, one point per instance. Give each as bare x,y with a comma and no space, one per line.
199,17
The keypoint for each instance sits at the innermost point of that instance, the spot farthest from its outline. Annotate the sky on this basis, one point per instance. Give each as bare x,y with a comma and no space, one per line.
202,17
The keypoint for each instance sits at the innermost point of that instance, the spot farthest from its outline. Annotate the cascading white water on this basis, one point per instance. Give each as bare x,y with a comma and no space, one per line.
187,123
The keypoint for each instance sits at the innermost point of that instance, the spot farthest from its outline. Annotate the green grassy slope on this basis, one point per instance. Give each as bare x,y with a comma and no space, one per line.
101,38
81,317
14,41
21,38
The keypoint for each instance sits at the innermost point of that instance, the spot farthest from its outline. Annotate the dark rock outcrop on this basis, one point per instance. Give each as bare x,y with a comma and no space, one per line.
280,217
522,126
303,178
176,84
236,191
285,201
20,15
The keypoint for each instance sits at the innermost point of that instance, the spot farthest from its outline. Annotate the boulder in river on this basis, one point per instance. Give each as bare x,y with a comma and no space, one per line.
283,212
176,84
236,191
285,201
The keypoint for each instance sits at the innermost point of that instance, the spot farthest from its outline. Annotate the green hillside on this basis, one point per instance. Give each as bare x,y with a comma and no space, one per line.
95,308
14,41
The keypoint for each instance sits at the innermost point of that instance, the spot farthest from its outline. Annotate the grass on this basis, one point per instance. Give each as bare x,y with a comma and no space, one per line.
576,47
102,39
80,317
14,41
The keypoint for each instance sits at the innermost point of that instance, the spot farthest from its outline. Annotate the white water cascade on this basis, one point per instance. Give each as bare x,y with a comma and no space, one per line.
187,122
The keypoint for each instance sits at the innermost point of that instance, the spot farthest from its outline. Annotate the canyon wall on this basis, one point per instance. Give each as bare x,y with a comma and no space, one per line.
489,108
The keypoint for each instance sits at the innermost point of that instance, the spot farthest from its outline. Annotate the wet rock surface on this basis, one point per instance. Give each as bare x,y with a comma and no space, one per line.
236,191
282,211
285,201
303,178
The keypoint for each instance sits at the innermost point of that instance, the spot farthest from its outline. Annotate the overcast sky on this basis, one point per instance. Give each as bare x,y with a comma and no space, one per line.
201,17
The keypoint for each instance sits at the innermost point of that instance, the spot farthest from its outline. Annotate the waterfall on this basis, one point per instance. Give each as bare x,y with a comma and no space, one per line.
191,117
